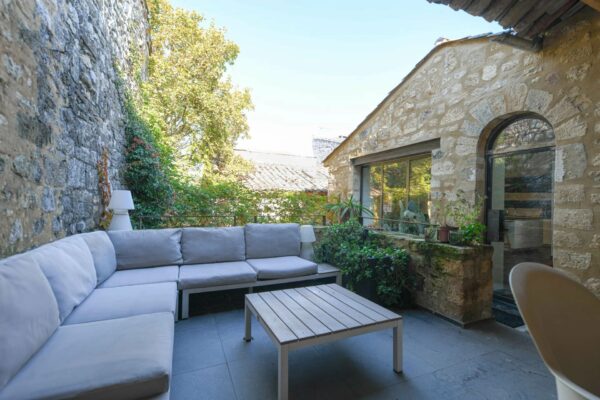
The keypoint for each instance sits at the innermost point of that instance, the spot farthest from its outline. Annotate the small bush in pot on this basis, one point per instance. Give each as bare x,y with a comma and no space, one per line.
367,260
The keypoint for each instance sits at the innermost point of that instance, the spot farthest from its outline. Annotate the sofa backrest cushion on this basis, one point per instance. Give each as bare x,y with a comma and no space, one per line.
272,240
69,267
28,313
103,253
147,248
212,245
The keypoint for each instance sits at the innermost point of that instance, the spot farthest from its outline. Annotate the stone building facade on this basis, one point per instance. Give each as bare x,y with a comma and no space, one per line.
61,105
464,89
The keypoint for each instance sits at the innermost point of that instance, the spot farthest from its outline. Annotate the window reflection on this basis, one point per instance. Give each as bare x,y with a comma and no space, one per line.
397,193
524,134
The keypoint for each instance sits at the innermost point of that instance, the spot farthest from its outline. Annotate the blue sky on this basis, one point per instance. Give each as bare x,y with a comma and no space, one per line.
317,68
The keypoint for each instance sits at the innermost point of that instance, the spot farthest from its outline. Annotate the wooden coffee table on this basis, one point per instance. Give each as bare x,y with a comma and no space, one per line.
301,317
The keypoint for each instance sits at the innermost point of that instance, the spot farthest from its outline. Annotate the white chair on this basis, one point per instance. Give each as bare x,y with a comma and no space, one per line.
563,318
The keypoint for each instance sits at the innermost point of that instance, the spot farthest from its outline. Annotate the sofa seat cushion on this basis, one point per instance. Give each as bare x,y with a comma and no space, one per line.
142,276
213,245
147,248
216,274
272,240
28,313
126,301
282,267
126,358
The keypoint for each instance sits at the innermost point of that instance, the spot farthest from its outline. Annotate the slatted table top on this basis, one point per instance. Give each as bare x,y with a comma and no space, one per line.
303,313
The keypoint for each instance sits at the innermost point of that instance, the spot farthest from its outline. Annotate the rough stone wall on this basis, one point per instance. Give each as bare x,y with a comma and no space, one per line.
455,282
464,89
61,105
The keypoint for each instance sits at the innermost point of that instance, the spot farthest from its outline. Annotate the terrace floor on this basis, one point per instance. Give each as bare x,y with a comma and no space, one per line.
441,361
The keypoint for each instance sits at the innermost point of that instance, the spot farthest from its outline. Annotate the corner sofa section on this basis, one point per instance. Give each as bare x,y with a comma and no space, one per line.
92,315
63,337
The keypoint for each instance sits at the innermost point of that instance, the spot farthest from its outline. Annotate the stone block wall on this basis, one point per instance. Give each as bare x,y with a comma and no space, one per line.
464,89
61,105
452,281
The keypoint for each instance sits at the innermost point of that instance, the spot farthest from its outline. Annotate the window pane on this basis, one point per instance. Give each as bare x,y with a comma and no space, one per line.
420,184
395,193
371,194
524,134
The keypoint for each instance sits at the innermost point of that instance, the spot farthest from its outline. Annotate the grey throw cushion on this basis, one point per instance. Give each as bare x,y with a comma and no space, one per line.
103,253
69,267
28,313
126,301
282,267
126,358
272,240
147,248
142,276
211,245
217,274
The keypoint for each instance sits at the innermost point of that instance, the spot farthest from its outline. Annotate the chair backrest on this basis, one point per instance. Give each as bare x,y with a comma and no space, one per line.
563,318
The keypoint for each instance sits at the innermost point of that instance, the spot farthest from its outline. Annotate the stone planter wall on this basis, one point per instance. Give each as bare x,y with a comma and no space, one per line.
454,282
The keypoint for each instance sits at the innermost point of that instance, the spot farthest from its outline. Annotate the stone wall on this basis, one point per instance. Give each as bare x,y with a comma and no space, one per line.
463,89
455,282
61,105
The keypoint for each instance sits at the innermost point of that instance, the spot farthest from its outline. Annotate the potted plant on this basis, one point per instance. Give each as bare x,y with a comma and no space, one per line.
349,209
440,216
430,233
466,216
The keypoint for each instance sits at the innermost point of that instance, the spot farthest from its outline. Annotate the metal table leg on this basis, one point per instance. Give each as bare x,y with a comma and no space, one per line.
398,347
282,375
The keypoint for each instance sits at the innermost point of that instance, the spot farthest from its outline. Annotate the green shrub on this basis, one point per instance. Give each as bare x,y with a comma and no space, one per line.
362,255
146,173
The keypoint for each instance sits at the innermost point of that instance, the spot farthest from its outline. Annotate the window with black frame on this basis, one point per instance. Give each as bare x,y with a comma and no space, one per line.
397,193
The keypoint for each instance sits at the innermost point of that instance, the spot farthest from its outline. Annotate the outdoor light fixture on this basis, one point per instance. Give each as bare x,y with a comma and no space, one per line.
120,204
307,237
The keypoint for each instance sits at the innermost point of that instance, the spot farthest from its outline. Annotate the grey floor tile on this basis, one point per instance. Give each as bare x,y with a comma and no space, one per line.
195,349
213,383
204,323
238,349
255,379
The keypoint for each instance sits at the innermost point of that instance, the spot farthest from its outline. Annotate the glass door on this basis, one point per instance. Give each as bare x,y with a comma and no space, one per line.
520,191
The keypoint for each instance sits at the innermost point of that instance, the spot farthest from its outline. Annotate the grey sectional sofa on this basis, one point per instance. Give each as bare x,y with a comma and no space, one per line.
91,316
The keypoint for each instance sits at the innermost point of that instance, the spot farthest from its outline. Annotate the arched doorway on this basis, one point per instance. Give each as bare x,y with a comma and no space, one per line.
520,186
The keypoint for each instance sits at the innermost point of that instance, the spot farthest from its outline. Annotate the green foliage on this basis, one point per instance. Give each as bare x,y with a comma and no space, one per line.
349,209
188,94
466,216
473,233
362,255
146,173
182,124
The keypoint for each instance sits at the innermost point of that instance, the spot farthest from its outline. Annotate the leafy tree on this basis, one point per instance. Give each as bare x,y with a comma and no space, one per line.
188,94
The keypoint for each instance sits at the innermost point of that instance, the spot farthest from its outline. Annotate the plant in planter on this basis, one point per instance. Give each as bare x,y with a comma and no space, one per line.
349,209
466,216
440,212
430,233
370,265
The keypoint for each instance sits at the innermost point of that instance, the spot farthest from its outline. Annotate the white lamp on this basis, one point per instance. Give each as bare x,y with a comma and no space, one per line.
120,204
307,237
